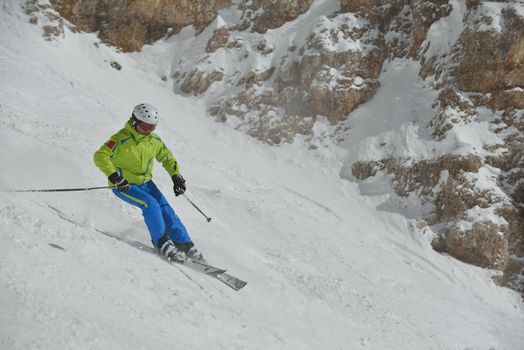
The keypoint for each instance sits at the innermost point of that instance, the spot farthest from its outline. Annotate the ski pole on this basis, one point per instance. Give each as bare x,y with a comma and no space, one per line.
63,189
208,219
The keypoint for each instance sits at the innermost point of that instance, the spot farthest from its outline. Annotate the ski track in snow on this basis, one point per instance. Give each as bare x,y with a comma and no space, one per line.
325,268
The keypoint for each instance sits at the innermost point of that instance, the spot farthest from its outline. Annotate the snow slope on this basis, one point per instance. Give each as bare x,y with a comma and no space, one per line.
326,268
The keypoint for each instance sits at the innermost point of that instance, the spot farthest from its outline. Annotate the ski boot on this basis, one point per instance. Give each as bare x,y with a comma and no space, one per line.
170,252
192,253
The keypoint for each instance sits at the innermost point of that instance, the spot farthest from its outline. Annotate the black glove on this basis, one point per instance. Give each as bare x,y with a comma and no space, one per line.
179,186
121,184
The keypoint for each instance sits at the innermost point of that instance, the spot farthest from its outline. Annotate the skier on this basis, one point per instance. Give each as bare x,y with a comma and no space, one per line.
127,160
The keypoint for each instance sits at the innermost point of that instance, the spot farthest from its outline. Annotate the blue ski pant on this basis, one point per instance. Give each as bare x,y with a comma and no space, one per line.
160,218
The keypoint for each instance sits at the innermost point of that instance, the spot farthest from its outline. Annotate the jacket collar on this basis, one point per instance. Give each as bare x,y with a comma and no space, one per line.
135,134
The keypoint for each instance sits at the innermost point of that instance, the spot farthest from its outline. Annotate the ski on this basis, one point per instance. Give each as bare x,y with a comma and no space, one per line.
215,272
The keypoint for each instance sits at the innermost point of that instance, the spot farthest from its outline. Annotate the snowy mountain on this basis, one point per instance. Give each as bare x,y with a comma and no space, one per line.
330,263
301,71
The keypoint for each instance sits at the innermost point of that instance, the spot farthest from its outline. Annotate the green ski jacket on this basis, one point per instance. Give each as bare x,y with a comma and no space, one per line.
131,154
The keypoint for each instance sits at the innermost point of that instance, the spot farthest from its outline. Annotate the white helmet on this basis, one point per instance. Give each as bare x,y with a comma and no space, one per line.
146,113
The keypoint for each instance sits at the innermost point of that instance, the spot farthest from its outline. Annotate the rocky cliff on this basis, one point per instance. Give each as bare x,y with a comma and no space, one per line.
480,78
261,75
131,24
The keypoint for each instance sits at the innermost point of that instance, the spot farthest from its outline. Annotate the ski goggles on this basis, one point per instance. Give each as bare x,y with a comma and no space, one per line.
145,127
